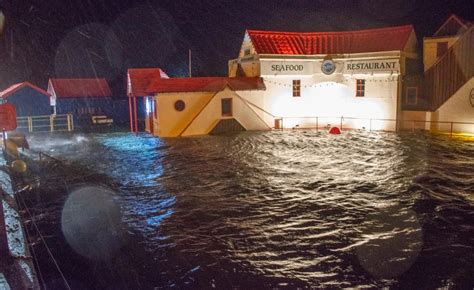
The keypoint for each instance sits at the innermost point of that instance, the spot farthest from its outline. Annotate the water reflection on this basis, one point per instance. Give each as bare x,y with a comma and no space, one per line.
291,209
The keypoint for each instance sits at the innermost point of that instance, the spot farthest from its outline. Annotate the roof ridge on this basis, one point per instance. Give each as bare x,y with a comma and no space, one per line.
407,26
15,87
77,78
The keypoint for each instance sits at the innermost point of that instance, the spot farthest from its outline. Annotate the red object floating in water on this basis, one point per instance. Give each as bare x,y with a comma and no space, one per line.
335,130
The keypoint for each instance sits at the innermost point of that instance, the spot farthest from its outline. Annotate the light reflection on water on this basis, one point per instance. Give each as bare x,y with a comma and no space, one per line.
293,208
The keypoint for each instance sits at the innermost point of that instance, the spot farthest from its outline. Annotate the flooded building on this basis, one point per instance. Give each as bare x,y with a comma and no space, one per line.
349,78
28,99
83,98
446,102
140,102
370,79
204,105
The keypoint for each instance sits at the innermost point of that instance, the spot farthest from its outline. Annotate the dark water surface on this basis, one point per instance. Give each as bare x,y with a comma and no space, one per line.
270,210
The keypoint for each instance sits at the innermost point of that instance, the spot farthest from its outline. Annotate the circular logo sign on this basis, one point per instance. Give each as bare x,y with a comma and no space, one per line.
328,66
471,97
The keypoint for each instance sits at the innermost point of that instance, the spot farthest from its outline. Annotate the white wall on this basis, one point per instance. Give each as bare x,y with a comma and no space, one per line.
458,109
211,114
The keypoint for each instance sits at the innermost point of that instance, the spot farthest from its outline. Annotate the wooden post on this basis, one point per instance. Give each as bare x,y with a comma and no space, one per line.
413,126
51,123
370,125
68,122
317,124
341,122
451,135
30,124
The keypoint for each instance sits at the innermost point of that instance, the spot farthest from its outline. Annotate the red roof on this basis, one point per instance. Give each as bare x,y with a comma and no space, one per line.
205,84
370,40
140,79
14,88
80,88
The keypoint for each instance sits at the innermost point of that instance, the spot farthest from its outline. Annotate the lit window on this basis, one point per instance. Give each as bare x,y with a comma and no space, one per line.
226,107
411,97
360,88
441,49
296,88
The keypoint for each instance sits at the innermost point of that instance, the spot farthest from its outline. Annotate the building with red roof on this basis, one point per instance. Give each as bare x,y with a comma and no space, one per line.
323,43
201,105
82,97
138,80
341,77
28,99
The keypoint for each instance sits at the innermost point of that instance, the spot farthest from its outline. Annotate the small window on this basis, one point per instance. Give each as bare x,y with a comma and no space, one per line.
442,48
411,98
226,107
179,105
246,51
296,88
360,88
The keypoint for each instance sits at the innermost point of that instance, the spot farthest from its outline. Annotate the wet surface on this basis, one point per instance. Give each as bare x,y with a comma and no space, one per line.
266,210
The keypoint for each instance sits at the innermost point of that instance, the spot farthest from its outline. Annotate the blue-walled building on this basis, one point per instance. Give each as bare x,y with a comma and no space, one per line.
83,98
28,99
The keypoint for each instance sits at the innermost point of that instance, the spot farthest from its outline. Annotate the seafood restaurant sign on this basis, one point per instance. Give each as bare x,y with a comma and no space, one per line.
339,66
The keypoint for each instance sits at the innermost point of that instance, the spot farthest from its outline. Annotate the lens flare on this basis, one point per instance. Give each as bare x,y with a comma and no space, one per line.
91,223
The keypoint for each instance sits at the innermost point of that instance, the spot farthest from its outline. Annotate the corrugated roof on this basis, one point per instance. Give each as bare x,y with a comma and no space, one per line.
140,79
205,84
14,88
309,43
81,88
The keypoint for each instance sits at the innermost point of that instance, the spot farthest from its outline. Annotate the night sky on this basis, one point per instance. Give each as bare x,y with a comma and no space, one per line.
88,38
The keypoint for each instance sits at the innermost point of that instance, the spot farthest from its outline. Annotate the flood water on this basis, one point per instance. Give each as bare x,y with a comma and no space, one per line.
284,210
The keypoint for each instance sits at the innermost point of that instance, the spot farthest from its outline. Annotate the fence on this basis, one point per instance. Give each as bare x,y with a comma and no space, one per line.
372,124
46,123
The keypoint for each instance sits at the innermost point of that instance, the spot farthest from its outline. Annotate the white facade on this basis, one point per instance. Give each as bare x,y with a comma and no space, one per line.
329,99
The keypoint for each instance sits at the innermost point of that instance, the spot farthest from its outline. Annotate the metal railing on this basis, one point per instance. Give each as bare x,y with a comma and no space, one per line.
373,124
46,123
342,122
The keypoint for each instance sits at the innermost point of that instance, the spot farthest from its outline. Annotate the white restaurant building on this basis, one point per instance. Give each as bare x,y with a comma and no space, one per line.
323,79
